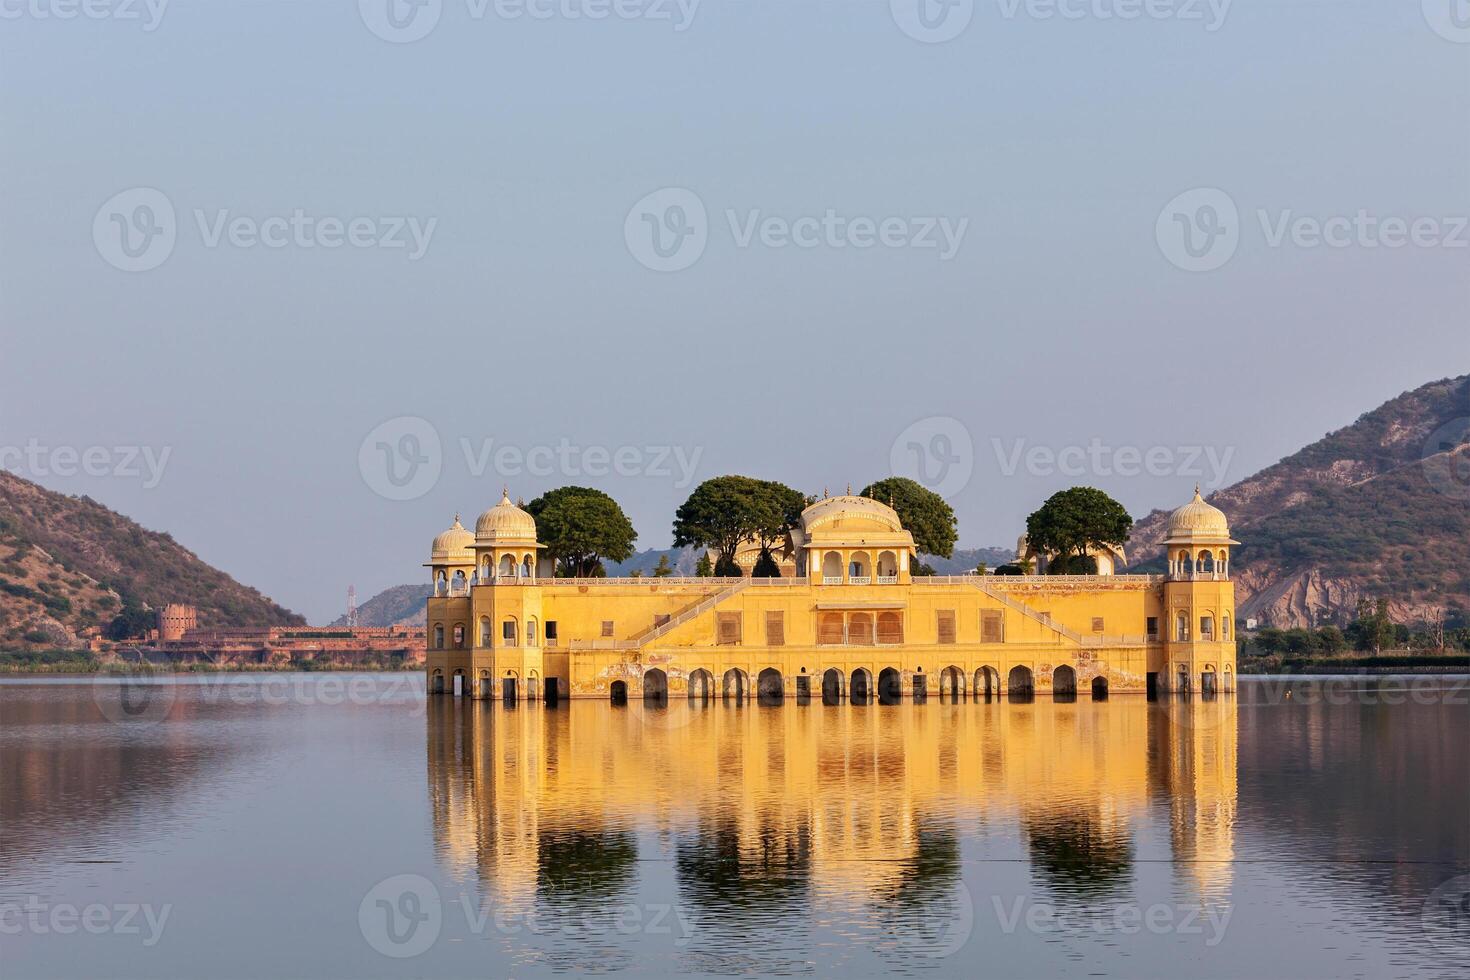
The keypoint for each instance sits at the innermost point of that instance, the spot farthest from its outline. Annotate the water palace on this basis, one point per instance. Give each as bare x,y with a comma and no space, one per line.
846,621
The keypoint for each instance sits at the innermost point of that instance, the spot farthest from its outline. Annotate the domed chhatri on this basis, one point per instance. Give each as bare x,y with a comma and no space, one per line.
1198,522
505,523
454,545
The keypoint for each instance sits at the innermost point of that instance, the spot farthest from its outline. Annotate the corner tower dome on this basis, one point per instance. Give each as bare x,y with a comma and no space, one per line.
505,523
1198,522
454,545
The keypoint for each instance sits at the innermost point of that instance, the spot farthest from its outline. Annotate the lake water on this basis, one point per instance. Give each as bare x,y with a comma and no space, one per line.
346,826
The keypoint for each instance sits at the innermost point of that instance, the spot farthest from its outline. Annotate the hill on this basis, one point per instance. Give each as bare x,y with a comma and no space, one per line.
398,605
68,563
1378,508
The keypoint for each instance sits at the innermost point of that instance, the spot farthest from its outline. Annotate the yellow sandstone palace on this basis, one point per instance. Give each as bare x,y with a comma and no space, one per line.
848,620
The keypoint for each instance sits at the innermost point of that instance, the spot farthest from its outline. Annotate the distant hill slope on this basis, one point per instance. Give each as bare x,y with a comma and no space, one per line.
66,562
399,605
1378,508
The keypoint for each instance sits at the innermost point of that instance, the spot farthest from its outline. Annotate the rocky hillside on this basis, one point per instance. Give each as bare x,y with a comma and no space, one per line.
400,605
1379,508
68,563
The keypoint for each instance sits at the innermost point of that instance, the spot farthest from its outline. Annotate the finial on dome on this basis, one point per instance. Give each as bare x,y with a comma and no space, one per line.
1196,492
825,495
849,489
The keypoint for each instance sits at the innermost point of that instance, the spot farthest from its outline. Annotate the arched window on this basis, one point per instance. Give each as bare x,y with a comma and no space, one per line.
484,631
526,567
531,632
508,631
438,636
507,566
1181,627
832,567
1207,626
459,636
890,627
1225,627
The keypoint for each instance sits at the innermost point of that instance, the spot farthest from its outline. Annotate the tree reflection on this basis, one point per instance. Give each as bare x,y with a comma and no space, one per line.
1073,856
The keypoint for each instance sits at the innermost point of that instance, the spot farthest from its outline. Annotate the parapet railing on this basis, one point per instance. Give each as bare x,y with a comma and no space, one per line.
999,580
696,610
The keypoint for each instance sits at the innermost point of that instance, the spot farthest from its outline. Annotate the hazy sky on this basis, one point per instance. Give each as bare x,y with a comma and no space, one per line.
1004,261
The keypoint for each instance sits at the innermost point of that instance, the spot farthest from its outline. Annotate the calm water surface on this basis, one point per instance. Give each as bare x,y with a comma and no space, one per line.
345,826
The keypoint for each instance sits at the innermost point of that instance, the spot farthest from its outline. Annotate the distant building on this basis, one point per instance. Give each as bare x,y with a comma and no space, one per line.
176,619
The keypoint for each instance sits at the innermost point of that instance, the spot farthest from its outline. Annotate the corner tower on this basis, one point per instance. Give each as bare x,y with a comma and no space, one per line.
1199,601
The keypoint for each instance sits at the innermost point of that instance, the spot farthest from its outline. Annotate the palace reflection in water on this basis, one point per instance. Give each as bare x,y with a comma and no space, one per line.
845,815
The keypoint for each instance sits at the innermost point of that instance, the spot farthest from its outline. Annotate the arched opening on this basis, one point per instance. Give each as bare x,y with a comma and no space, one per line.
487,571
655,686
484,631
619,692
859,568
701,685
509,687
862,683
890,686
507,566
829,629
461,685
485,691
832,568
533,685
1020,686
527,567
1225,627
1099,688
951,684
1207,626
1064,683
921,686
769,688
1181,627
1207,682
436,685
832,686
458,636
532,633
438,636
860,629
1207,562
508,631
1229,679
459,583
987,683
1181,675
887,567
890,627
735,685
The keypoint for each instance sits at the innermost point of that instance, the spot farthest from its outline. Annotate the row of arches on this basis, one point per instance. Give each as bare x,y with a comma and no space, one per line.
1207,624
1204,563
860,687
859,567
458,582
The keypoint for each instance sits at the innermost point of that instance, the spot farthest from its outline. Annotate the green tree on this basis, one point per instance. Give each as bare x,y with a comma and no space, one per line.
924,513
1331,639
981,568
1075,521
726,511
1373,629
1270,640
766,566
133,620
704,568
580,527
663,569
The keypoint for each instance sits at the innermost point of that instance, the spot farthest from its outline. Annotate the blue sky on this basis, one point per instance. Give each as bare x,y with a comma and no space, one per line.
526,314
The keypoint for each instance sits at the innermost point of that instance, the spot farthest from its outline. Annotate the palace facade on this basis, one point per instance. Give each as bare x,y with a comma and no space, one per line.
847,621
